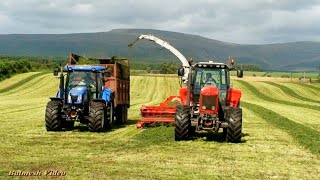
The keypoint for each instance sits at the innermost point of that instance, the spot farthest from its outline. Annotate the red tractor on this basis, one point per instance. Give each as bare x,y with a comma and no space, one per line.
209,102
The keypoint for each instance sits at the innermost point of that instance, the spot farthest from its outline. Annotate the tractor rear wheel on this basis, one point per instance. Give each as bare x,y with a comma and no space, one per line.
234,129
97,119
182,123
53,116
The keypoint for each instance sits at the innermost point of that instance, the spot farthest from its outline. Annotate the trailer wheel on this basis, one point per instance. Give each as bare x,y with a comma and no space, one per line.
53,116
125,114
97,118
234,125
182,123
110,116
119,114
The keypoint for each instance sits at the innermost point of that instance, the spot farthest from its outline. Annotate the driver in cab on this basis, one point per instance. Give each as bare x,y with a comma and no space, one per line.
210,80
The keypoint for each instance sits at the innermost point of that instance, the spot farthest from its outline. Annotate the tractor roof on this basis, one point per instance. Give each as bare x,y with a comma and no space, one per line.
85,67
212,64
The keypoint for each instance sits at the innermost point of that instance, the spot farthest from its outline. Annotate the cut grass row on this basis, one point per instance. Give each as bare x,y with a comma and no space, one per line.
291,92
126,152
307,137
21,82
257,93
305,116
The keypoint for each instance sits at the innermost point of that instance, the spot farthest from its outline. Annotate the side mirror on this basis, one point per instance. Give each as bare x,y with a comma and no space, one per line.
56,71
181,71
239,73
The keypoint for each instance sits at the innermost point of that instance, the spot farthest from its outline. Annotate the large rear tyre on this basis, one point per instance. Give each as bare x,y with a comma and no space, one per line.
97,120
234,125
182,123
53,116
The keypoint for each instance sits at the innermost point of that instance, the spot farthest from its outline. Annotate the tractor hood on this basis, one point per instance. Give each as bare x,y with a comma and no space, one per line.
78,90
77,94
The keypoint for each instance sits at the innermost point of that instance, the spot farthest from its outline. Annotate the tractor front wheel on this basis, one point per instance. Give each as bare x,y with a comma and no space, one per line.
97,118
234,129
53,116
182,123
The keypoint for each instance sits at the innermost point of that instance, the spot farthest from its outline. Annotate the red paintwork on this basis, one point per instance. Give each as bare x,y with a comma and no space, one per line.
234,96
162,113
209,91
165,112
118,82
183,95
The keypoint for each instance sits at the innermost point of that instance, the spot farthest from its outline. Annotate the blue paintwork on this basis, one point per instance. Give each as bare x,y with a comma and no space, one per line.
106,95
78,91
85,67
58,95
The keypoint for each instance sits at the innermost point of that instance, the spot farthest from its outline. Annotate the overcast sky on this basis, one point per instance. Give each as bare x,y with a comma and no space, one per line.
237,21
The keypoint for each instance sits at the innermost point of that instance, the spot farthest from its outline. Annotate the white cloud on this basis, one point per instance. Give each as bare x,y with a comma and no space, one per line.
245,21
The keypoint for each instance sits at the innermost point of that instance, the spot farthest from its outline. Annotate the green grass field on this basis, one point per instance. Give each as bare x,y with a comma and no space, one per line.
281,137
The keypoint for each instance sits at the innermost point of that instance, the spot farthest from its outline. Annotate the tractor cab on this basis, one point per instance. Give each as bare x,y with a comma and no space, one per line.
84,79
211,74
80,85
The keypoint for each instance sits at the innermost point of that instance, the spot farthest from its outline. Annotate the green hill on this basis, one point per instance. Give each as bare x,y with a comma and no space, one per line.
285,56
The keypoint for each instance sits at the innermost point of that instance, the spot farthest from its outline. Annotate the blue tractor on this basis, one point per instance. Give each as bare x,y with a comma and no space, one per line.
82,97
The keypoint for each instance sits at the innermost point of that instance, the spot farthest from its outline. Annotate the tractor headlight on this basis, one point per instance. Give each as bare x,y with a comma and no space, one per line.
79,100
204,107
213,107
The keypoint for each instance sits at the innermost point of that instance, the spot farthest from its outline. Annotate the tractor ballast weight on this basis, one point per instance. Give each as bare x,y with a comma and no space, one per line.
96,95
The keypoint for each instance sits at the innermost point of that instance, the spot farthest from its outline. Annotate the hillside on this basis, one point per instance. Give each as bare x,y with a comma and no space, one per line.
286,56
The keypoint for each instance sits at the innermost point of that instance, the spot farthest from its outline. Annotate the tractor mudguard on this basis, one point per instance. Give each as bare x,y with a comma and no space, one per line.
56,99
106,95
183,95
234,96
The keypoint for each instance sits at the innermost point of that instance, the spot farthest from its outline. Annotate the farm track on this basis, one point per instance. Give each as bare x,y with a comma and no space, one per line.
277,142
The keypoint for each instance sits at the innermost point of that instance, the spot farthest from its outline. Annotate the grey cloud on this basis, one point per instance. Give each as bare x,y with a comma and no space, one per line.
245,21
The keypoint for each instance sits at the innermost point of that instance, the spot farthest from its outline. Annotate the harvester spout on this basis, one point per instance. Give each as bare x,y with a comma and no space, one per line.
162,43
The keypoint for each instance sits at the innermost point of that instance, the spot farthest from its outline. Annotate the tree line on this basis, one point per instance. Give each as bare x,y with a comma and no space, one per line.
10,65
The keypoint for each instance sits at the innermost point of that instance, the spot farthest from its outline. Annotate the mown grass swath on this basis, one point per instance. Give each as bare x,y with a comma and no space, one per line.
257,93
307,137
309,86
268,150
291,92
22,82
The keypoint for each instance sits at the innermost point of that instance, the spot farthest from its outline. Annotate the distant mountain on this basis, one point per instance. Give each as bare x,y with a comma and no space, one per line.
285,56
